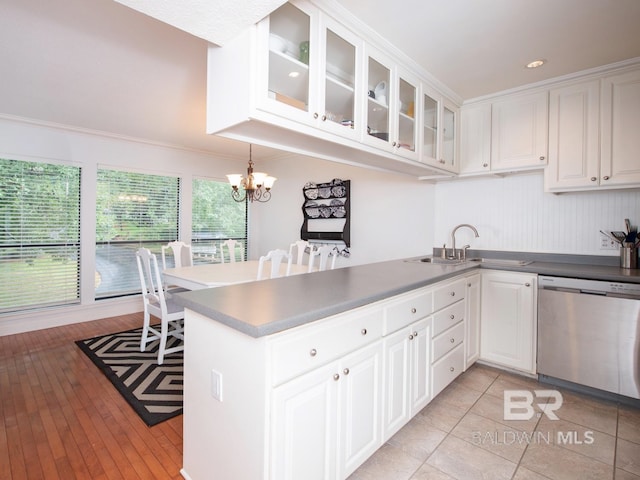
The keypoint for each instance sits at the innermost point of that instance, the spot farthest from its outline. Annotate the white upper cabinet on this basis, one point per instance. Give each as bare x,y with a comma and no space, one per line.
593,134
439,135
519,132
574,133
620,120
311,80
516,136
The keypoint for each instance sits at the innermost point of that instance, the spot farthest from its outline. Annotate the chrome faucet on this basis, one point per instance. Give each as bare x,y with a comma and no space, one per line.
453,237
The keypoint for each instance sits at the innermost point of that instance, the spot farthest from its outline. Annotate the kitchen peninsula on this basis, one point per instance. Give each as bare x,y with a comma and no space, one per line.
306,376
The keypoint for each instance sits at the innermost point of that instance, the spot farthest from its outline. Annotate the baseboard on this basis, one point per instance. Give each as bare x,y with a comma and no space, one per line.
11,324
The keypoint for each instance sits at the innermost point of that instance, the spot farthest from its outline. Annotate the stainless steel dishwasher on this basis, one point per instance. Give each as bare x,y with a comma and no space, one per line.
589,334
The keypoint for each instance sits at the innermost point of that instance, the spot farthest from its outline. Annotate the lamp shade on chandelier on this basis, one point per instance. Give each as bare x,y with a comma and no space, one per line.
256,186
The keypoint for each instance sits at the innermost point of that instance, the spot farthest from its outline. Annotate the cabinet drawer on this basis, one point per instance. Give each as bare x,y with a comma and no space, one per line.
406,309
447,341
445,370
448,294
308,347
448,317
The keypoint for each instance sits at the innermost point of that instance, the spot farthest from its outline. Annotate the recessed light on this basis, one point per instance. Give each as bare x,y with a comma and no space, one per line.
536,63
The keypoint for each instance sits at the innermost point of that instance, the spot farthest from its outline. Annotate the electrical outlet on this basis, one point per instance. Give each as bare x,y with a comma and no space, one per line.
607,243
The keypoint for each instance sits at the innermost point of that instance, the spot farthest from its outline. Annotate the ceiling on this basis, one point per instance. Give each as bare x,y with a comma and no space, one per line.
100,65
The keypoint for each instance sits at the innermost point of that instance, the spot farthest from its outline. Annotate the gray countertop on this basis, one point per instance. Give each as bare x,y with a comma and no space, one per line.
270,306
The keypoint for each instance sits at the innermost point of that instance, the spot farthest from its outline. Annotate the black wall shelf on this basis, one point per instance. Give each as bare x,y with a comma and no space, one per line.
327,203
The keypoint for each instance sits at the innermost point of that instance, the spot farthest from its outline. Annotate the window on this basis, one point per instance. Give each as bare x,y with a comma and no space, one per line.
133,210
215,217
39,234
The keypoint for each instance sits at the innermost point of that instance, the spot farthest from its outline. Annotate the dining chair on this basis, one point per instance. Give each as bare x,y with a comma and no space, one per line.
182,254
324,253
301,247
231,247
275,257
159,304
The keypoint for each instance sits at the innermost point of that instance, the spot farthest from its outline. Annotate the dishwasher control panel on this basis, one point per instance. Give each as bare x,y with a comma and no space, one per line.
601,287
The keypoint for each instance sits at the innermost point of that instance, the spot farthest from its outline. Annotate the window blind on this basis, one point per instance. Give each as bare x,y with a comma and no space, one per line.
39,234
133,210
216,217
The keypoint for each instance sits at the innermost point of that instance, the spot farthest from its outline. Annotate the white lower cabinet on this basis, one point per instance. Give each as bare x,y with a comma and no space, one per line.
509,315
328,421
472,320
406,362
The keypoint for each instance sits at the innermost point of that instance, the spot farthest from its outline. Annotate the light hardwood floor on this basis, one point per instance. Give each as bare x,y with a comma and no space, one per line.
62,419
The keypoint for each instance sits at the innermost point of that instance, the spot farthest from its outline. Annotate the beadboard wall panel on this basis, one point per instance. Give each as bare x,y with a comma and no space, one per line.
513,213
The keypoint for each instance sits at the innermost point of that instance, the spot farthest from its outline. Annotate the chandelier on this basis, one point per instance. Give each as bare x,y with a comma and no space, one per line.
257,185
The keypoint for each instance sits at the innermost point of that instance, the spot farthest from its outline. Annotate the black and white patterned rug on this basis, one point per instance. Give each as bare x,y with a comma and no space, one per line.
154,391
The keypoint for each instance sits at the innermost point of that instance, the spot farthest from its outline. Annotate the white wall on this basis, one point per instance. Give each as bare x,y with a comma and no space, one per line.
513,213
391,215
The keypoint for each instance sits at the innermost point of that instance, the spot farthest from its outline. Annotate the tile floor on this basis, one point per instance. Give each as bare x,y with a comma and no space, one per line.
462,434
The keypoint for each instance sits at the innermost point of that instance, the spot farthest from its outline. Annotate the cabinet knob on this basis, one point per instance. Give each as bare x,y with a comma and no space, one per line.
593,179
315,115
453,340
527,284
413,310
542,159
606,177
394,144
469,284
415,334
485,165
442,161
324,118
451,369
345,371
363,331
453,294
452,317
313,352
410,336
336,376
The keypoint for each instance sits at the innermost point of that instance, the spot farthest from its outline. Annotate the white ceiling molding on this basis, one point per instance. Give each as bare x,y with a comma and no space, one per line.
216,21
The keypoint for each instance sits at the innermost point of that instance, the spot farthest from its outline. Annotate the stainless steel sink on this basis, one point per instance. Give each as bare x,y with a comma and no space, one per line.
484,261
500,261
437,260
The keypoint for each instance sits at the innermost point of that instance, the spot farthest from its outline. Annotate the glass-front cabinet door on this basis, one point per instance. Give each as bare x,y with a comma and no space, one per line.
289,79
405,128
448,149
378,116
341,73
430,119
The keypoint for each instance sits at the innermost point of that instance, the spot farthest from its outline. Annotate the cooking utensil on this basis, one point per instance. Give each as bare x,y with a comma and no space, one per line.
619,236
608,235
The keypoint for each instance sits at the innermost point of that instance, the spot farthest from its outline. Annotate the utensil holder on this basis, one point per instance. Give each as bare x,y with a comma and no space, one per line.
628,257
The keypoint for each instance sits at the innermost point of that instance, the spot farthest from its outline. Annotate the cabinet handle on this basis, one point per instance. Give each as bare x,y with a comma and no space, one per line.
415,334
606,177
485,165
593,179
313,352
394,144
363,331
336,376
468,284
453,294
451,369
324,118
527,284
453,340
410,336
452,317
315,115
413,310
542,159
441,161
346,371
